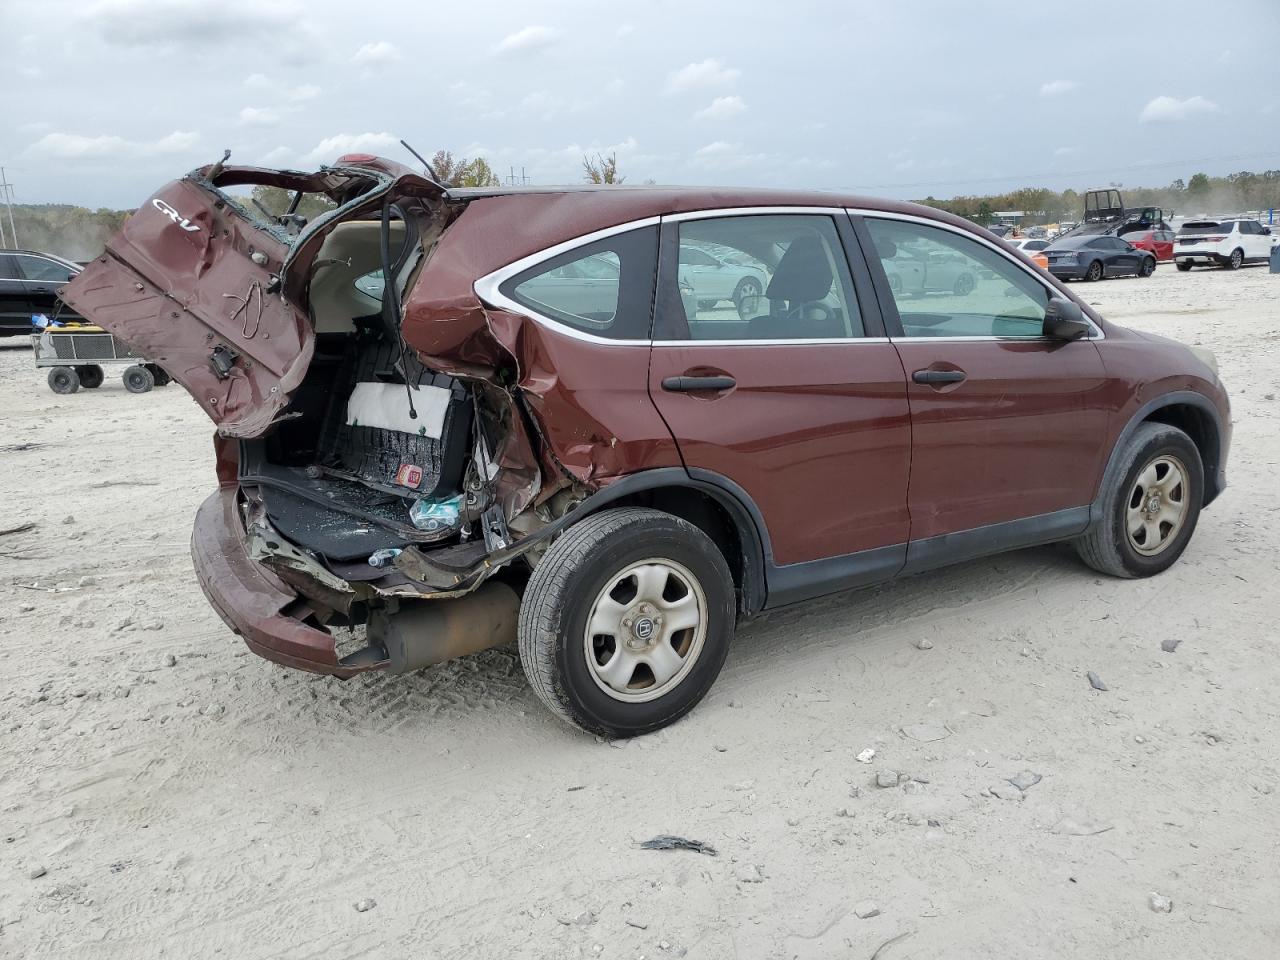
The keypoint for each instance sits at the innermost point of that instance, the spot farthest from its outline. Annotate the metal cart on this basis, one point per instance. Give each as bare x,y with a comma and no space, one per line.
75,357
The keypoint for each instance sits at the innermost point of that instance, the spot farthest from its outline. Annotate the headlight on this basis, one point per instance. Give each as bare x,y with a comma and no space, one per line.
1208,357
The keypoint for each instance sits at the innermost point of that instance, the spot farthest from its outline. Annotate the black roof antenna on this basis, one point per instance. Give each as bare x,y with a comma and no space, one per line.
430,170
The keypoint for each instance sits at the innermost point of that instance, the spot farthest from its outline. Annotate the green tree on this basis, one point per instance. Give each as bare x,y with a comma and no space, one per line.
1198,185
601,169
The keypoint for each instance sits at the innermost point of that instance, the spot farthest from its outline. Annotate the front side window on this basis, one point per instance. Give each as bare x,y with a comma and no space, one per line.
948,285
603,288
772,277
38,268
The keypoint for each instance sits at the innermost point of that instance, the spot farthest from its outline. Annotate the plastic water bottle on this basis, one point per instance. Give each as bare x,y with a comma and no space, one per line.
433,515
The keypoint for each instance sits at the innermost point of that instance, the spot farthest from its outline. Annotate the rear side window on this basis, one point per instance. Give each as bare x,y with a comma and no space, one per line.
38,268
8,269
761,278
603,288
948,285
1204,226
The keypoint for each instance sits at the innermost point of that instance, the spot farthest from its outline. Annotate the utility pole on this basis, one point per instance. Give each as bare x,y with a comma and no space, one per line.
6,194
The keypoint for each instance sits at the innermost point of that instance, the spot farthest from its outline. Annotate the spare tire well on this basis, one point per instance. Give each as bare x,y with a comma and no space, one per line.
1199,425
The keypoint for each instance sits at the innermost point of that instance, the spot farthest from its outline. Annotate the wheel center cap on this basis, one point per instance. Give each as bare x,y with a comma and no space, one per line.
643,628
1153,503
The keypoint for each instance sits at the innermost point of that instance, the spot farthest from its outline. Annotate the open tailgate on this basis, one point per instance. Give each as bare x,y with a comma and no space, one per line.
196,284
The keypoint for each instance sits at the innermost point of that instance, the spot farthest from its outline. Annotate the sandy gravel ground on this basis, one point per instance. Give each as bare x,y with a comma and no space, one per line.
165,794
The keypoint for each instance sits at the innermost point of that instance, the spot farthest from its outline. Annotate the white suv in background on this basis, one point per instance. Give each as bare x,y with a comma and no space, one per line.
1225,243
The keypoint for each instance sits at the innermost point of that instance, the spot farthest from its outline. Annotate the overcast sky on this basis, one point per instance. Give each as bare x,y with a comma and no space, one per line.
104,101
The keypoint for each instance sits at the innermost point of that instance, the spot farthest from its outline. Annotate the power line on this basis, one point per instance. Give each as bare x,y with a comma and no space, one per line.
1057,175
6,194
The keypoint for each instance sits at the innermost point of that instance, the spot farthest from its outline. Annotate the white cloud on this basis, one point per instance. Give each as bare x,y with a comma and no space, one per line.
721,108
74,146
257,81
1171,108
180,24
530,38
625,30
376,54
717,148
1055,88
279,157
332,147
306,91
1065,151
258,117
704,73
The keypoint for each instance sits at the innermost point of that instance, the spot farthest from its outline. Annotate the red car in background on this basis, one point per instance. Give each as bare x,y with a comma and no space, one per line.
1158,240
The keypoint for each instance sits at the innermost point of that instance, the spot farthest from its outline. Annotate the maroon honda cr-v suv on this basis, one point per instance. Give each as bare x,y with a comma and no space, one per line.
612,423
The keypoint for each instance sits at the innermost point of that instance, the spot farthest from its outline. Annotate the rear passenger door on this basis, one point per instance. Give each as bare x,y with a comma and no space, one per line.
1006,423
795,397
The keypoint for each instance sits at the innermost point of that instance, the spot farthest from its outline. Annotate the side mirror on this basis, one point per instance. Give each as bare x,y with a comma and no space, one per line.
1064,320
1267,231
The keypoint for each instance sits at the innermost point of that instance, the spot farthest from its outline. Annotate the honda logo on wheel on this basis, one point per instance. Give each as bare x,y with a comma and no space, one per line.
174,215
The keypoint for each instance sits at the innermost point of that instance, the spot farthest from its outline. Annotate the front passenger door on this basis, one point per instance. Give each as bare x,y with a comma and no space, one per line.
1005,422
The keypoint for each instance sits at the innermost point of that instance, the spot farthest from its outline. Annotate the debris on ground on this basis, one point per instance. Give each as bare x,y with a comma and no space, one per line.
1025,780
1073,827
365,905
1160,904
21,528
668,842
924,644
1005,791
1169,644
890,942
926,732
887,778
36,872
1095,681
170,660
866,909
751,873
866,756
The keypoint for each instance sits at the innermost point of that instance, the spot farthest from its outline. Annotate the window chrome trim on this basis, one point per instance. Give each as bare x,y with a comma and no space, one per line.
1053,292
488,287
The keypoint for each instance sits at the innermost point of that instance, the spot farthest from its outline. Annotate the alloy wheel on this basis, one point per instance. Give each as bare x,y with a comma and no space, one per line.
1157,505
645,630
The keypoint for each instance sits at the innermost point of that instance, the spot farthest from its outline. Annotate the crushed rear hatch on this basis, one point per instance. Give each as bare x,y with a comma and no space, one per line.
201,284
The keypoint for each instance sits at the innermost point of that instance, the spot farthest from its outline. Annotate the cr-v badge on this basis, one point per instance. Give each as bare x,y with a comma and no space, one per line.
173,215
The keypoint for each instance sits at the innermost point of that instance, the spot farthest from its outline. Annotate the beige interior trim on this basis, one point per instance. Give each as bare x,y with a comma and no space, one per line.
349,252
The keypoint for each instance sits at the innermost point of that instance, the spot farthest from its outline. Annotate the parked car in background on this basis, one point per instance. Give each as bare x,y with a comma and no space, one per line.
923,267
29,284
1033,247
465,460
717,275
1223,243
1000,229
1157,240
1095,257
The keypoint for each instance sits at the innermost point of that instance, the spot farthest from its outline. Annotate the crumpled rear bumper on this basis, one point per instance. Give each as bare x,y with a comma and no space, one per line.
252,600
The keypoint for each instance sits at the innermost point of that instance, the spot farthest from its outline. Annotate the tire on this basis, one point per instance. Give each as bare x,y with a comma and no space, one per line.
90,376
162,379
1094,272
64,380
138,379
1184,265
707,304
1236,259
567,668
746,287
1148,267
964,285
1109,547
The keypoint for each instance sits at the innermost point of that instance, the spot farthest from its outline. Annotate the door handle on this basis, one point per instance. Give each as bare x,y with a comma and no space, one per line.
934,377
688,384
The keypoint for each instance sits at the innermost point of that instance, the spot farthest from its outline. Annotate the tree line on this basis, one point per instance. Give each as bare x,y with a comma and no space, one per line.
1200,196
79,233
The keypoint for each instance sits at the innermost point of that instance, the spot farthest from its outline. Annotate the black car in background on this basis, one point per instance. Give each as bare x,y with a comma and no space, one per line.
29,284
1094,257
